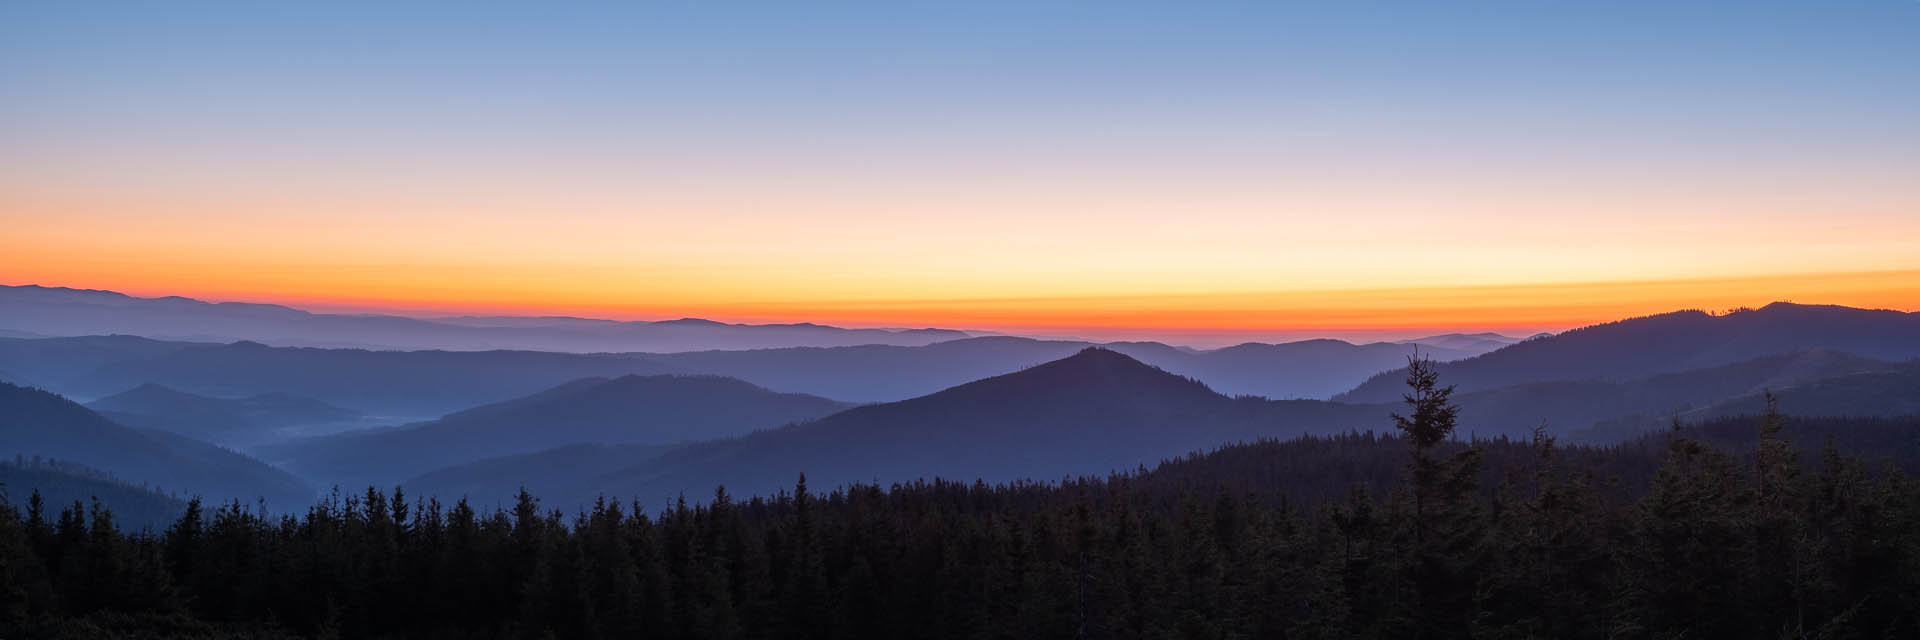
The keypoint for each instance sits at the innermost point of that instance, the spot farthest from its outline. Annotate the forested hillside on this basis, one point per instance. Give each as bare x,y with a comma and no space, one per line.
1090,413
1673,342
1669,536
37,423
58,485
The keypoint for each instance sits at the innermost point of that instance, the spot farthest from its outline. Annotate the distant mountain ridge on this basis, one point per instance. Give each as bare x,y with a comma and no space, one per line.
1481,342
1099,410
1672,342
419,385
37,423
223,420
641,410
60,311
1092,412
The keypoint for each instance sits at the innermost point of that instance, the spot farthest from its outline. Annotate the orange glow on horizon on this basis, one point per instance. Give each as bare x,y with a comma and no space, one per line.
1199,317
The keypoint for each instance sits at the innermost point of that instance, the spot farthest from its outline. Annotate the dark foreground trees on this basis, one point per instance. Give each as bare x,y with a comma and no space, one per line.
1668,538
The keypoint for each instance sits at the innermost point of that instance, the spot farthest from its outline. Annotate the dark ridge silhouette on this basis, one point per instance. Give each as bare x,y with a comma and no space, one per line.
1570,406
60,311
1865,394
222,420
1882,392
414,385
561,471
1091,413
1102,408
1672,342
398,384
64,363
38,423
1476,342
653,410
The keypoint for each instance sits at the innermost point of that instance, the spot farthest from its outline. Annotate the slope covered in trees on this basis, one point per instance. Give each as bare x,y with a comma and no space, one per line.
559,472
1673,342
1099,411
58,485
37,423
1089,413
1568,406
1664,537
1893,391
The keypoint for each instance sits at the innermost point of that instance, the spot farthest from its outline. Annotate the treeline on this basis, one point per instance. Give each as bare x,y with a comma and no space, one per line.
1761,541
61,482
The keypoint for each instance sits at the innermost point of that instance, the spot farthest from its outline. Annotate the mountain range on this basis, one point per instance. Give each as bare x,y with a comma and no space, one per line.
1093,412
61,311
228,421
1100,410
652,425
402,386
1672,342
647,410
37,423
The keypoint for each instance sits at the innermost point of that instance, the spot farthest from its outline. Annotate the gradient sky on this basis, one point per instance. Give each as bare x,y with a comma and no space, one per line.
1118,169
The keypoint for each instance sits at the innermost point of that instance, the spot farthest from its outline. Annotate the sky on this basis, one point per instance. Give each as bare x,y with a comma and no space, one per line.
1108,169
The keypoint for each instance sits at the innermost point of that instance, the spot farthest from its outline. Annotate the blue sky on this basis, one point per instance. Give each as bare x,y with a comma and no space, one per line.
863,154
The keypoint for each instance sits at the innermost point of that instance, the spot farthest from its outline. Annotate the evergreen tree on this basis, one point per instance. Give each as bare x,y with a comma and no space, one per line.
1448,547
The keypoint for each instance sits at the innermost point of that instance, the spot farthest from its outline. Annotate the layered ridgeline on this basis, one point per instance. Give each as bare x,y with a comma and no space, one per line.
1101,410
1302,369
231,421
1572,406
649,410
59,311
1881,391
1094,412
386,384
35,423
427,384
1673,342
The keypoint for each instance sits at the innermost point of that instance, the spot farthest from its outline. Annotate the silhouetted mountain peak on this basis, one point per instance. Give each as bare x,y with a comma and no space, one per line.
1798,310
691,322
635,381
153,390
1100,361
1094,373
